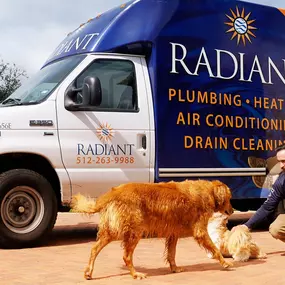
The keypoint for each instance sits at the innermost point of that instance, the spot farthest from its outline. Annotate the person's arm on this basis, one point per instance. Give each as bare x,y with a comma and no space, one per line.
269,206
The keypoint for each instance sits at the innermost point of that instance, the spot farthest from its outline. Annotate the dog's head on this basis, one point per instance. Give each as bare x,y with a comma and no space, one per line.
222,196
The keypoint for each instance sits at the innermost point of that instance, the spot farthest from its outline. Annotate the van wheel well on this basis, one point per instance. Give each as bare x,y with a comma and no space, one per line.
33,162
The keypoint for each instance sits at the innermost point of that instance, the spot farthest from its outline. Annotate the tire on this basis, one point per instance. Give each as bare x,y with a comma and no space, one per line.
28,208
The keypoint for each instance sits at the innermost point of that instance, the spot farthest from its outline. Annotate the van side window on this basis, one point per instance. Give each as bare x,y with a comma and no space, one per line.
118,82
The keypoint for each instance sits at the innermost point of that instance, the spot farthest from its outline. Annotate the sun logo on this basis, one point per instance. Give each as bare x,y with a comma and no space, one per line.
105,132
240,26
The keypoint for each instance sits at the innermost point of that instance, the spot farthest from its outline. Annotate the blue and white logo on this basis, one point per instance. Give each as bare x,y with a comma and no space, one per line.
240,26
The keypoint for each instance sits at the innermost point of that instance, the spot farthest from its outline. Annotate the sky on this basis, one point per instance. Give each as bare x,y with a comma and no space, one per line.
32,29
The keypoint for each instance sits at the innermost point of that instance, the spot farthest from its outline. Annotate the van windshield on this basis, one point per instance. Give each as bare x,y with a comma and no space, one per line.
42,84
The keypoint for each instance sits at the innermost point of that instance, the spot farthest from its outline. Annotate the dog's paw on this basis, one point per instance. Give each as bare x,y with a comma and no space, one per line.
241,256
87,274
227,264
262,255
138,275
176,269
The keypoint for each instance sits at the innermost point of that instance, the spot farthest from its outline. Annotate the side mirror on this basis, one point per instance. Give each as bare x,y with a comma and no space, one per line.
91,93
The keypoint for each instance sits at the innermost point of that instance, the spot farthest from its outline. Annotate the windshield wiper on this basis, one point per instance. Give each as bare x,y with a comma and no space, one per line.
12,101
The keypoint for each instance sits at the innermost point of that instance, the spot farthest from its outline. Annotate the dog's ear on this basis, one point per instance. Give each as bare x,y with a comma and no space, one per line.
219,196
222,195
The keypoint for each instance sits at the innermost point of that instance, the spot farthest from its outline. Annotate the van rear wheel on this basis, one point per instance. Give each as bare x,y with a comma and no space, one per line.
28,208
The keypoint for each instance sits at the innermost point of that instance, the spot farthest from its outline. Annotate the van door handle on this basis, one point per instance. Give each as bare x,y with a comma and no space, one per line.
48,133
144,141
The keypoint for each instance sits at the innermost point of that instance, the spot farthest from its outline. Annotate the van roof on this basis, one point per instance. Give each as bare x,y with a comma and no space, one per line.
136,21
117,27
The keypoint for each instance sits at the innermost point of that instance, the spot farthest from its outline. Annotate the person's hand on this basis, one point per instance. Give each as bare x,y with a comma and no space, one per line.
239,226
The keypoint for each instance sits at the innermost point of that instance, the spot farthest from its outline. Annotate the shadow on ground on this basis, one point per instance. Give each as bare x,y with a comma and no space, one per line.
152,272
198,267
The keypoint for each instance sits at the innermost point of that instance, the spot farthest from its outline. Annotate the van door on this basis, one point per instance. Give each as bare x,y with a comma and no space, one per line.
109,145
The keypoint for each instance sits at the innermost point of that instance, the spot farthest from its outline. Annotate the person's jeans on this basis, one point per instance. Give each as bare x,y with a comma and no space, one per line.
277,227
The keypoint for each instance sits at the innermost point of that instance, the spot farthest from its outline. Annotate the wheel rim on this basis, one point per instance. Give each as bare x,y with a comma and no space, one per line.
22,209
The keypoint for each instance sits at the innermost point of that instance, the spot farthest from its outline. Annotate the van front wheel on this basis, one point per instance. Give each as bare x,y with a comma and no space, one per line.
28,208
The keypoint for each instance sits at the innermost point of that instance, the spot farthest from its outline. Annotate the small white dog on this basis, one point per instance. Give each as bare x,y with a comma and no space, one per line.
237,244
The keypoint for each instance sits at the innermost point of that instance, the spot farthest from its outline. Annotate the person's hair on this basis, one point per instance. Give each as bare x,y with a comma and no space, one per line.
280,147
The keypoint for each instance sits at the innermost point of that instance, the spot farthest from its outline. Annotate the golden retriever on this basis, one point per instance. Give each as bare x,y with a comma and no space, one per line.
167,210
237,244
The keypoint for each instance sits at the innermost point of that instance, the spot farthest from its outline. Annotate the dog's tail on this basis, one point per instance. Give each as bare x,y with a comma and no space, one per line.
82,204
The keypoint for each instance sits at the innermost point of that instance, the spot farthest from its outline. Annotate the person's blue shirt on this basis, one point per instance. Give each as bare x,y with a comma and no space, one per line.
268,208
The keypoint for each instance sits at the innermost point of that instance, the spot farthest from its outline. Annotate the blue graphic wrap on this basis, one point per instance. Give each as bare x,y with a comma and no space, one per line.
226,47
